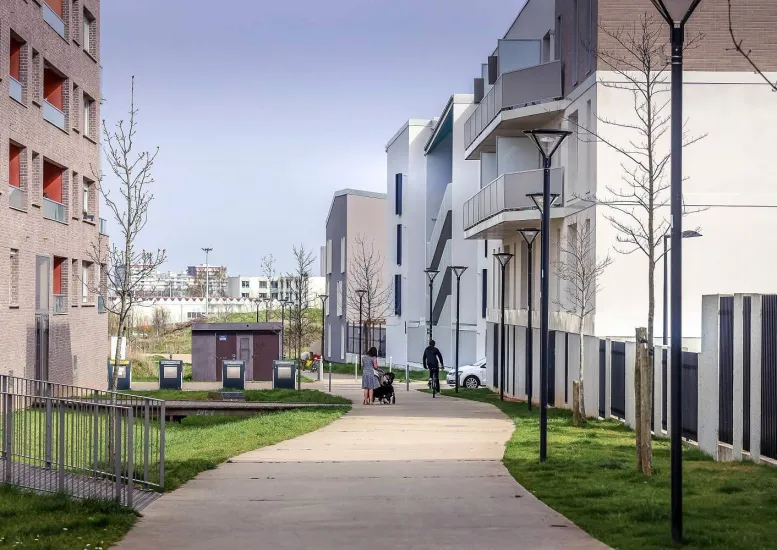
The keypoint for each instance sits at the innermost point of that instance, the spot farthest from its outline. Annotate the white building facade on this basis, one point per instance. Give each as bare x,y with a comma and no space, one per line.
277,288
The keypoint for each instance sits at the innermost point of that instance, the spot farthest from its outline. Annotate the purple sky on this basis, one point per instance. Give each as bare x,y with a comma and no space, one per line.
263,110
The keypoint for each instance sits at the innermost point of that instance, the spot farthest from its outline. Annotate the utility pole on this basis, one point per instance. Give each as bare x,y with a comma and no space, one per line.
207,277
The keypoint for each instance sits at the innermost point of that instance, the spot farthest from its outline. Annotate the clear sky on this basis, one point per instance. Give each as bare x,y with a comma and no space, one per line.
262,109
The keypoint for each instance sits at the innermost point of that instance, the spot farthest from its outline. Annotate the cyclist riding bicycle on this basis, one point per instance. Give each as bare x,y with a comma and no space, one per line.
433,361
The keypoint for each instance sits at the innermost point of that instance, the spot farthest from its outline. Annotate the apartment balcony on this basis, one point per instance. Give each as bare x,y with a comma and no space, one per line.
17,198
502,207
16,89
60,304
53,19
53,210
53,115
103,226
519,100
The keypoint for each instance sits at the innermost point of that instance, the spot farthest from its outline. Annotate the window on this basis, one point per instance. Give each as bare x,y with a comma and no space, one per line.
262,284
329,256
559,45
573,155
89,112
590,149
90,34
398,194
326,306
484,294
75,292
339,298
14,279
52,182
59,286
245,284
14,166
54,15
576,42
53,95
397,295
485,249
342,344
15,70
42,282
86,273
342,255
244,294
589,31
399,244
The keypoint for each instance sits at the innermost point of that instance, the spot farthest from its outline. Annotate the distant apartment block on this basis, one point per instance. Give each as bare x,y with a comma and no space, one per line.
53,325
278,288
214,275
354,217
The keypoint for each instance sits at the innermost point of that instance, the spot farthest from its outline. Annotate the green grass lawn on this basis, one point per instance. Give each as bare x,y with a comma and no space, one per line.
261,396
197,444
590,477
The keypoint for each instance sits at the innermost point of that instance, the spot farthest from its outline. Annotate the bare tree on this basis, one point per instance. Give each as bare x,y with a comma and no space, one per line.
638,207
302,326
124,267
365,272
739,47
581,269
159,320
268,270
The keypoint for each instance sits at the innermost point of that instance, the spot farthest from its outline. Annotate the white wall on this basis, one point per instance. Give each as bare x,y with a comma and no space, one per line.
731,171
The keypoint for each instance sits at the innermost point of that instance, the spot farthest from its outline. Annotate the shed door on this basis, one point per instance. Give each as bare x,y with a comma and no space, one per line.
266,349
244,354
226,348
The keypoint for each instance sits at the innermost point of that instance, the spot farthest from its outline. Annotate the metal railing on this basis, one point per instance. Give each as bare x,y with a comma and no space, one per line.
53,19
15,89
508,193
60,304
535,84
54,210
17,198
84,442
53,115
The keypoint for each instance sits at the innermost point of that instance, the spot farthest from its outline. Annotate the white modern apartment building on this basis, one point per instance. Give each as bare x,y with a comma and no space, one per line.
541,76
428,181
170,284
181,310
277,288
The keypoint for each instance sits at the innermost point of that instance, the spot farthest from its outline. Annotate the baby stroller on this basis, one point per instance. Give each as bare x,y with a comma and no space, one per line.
385,393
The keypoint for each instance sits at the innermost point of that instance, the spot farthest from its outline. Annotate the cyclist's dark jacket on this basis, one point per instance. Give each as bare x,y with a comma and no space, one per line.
432,358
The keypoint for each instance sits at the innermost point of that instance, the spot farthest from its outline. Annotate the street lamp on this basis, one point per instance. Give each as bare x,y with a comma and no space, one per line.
284,302
430,274
548,142
529,235
676,13
207,277
361,292
504,259
686,235
458,270
267,302
323,298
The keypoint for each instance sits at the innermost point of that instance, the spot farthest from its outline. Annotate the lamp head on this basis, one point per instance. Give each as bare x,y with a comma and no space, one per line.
458,270
529,235
503,257
690,234
431,273
676,12
539,200
547,141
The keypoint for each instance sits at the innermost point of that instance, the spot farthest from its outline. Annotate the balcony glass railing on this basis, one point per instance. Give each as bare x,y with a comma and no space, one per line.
527,86
53,115
509,192
53,210
103,226
60,304
15,89
17,198
54,20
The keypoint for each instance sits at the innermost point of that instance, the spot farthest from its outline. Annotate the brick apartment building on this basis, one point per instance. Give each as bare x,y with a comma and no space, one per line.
53,325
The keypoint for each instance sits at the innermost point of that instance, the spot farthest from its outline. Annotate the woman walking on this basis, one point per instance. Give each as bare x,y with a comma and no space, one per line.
369,375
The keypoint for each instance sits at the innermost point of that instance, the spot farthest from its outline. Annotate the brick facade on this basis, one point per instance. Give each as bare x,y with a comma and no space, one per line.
754,22
78,339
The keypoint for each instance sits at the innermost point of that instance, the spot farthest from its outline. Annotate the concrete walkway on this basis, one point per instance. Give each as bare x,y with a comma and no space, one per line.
422,474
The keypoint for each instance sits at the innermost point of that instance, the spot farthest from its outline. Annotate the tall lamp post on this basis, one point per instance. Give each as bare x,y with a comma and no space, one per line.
686,235
503,258
548,142
458,270
267,302
676,13
361,292
529,235
431,274
207,277
323,298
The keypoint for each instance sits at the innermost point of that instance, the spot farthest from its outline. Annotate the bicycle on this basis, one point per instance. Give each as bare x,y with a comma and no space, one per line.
434,381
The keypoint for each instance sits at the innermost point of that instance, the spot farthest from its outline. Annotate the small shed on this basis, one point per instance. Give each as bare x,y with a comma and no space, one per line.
258,344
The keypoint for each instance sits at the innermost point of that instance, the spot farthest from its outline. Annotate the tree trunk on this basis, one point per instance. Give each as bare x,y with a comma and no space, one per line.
642,367
577,418
581,406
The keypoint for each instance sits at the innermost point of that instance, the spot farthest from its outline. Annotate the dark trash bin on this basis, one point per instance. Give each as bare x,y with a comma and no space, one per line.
284,374
124,377
170,375
233,374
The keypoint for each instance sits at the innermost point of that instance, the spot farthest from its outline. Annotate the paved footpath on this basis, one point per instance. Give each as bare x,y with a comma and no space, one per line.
422,474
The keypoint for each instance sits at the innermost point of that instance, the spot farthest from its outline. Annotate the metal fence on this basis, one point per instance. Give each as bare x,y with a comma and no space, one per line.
602,378
726,371
746,347
769,377
690,395
84,442
374,335
618,381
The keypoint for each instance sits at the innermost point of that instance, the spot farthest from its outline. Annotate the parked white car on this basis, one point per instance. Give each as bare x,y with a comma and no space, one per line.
470,376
